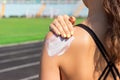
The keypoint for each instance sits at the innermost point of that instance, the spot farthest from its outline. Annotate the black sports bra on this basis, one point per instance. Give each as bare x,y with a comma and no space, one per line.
110,66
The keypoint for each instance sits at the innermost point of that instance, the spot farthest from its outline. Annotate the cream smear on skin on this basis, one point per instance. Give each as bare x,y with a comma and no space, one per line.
57,45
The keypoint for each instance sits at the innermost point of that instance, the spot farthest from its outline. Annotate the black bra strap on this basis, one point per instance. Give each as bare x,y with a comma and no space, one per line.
110,66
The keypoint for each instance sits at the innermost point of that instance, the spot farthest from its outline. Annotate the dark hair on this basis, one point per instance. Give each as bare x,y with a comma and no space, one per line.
112,9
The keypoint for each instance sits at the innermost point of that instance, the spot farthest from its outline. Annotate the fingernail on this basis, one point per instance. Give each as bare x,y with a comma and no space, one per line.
72,32
68,35
64,35
58,33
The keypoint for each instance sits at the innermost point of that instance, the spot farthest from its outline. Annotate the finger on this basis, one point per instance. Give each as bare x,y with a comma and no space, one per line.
72,19
59,27
64,26
69,24
54,29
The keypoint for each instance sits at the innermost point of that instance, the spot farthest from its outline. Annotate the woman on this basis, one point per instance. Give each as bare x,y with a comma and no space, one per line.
82,60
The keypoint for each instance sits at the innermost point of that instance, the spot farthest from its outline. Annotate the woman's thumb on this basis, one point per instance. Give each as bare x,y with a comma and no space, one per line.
72,19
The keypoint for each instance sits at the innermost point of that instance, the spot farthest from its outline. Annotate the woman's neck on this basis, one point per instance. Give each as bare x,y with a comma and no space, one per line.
97,16
97,20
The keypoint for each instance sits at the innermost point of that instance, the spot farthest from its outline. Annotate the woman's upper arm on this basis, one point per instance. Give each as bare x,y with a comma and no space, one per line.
49,69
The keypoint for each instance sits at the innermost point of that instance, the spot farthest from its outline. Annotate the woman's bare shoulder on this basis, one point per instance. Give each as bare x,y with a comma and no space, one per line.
56,45
79,33
82,36
48,35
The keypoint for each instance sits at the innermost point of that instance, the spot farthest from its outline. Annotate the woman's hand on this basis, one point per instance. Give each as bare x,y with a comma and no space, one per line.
63,25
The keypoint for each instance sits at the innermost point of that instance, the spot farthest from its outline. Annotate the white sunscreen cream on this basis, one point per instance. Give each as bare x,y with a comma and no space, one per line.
57,45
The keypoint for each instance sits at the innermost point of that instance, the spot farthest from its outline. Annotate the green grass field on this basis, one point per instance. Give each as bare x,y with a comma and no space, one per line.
17,30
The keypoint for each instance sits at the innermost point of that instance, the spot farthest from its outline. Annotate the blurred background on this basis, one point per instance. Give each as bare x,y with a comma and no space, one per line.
23,26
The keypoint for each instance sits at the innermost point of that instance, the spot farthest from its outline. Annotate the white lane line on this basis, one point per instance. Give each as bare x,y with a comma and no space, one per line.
31,77
19,58
21,43
18,52
20,35
19,67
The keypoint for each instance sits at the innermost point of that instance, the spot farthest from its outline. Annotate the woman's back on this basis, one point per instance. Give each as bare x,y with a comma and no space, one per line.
77,63
81,61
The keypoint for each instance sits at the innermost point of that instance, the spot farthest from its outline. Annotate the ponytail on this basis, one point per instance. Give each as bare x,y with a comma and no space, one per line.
112,9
